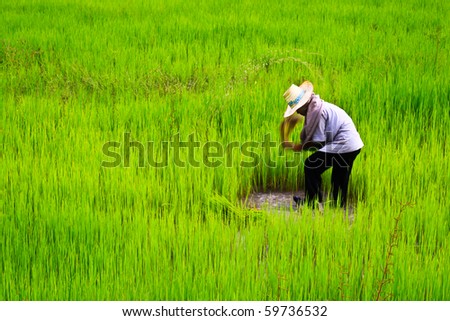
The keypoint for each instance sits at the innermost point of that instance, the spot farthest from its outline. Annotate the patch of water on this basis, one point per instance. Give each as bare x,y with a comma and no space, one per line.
273,200
282,202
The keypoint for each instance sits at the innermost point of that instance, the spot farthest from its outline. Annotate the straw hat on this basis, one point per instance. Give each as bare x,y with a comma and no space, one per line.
297,96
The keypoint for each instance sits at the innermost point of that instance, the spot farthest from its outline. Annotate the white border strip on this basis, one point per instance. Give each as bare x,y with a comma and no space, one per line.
248,310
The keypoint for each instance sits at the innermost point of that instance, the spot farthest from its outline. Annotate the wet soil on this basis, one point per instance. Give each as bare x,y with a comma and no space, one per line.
282,202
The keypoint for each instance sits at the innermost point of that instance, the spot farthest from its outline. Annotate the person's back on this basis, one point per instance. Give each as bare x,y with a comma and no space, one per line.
337,130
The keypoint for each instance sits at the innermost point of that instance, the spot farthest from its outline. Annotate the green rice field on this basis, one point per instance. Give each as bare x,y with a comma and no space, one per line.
109,193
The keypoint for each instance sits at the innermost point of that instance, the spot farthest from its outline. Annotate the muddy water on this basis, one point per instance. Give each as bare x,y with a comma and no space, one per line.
282,202
273,200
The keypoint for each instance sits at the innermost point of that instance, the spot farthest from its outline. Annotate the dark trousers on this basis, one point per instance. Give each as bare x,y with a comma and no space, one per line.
317,163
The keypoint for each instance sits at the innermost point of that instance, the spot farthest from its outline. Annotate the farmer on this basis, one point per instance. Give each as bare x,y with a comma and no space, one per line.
331,132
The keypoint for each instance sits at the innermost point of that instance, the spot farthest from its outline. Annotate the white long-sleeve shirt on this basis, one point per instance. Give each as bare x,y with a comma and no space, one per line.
337,130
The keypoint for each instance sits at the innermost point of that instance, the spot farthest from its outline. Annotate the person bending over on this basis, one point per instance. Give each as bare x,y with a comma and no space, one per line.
331,132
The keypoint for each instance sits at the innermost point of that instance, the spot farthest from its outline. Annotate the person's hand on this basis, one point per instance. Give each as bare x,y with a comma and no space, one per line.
297,148
288,145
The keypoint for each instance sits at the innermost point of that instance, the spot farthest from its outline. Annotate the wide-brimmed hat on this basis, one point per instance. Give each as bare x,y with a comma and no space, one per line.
297,96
